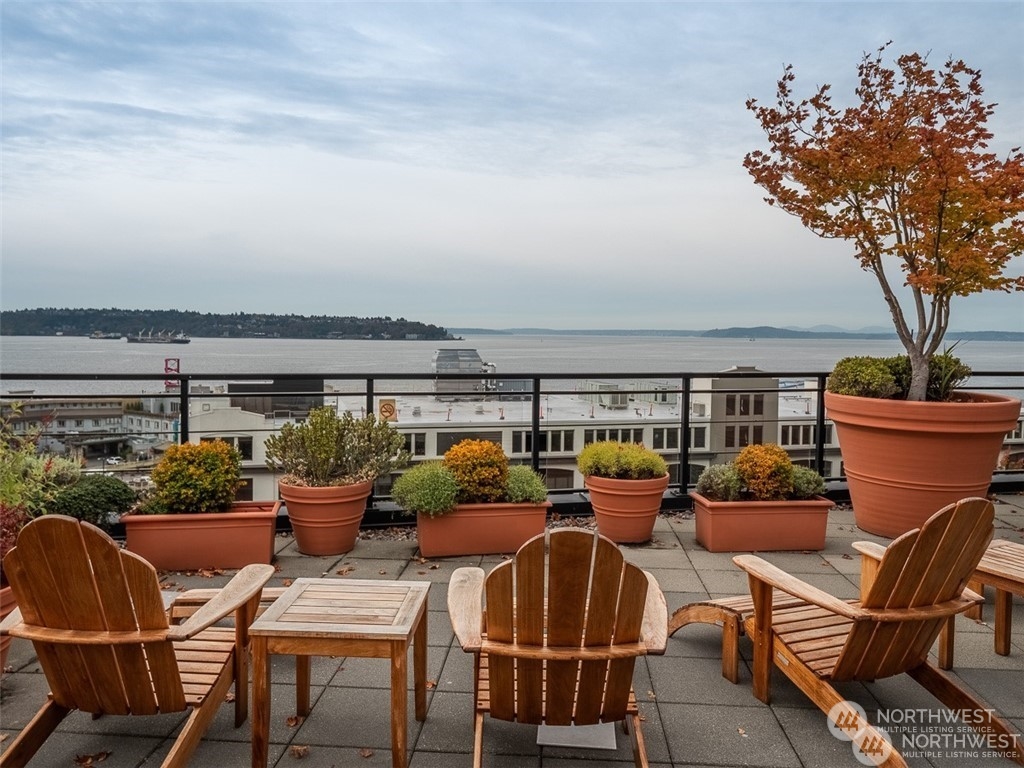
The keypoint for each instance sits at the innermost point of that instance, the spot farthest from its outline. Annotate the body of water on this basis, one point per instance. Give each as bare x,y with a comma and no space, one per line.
511,354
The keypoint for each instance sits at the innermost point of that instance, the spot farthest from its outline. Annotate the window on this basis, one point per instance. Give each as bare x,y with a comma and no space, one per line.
744,405
244,447
758,405
658,439
446,440
730,405
416,443
744,436
698,437
730,437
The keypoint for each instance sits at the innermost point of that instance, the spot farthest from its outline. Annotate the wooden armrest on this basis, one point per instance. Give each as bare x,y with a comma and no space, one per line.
10,621
245,585
764,571
184,604
465,607
871,549
949,608
654,630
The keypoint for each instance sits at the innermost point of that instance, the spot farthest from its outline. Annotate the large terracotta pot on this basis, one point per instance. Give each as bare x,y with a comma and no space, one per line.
326,520
480,529
760,526
7,604
626,509
904,461
187,542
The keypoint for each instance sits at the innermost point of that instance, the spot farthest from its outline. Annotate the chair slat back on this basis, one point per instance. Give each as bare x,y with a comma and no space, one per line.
572,590
69,575
923,567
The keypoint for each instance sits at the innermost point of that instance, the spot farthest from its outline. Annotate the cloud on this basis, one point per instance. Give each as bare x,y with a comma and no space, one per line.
573,164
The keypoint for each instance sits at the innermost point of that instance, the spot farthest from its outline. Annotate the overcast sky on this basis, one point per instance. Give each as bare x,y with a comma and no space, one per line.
565,165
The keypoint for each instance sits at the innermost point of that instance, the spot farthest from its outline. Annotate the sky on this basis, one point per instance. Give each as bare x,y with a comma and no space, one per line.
569,165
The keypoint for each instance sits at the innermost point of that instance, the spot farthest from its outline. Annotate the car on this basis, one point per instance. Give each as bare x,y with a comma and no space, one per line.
114,460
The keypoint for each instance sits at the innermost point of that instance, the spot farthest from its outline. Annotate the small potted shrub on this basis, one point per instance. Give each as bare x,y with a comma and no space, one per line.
12,520
191,520
760,502
626,482
473,502
96,499
329,464
29,481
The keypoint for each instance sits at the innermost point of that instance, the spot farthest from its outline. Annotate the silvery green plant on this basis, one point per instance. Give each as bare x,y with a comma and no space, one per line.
327,449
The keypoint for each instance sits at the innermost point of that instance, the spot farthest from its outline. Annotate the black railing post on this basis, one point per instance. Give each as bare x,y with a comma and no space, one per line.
684,436
369,396
535,427
819,429
183,396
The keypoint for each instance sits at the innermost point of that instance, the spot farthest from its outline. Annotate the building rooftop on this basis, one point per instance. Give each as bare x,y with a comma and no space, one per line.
692,715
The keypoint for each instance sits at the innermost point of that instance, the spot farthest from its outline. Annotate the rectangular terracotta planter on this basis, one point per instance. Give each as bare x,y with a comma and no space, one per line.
480,529
187,542
760,526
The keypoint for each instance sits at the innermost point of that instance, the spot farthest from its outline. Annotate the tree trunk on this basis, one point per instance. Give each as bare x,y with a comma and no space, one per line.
918,375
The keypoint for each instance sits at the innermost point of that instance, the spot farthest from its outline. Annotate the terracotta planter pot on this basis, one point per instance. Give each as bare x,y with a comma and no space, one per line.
7,604
626,509
326,521
480,529
187,542
904,461
760,526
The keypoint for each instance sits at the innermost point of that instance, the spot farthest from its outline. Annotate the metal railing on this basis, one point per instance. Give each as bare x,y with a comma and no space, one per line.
370,389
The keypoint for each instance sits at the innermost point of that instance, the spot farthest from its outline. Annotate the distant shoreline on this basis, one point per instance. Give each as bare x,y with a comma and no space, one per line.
117,323
758,332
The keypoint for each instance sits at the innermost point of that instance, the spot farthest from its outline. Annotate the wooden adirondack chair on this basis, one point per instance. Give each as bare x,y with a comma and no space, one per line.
96,617
563,625
909,590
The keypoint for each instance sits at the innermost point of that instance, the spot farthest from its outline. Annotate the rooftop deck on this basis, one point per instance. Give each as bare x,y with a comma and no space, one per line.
692,715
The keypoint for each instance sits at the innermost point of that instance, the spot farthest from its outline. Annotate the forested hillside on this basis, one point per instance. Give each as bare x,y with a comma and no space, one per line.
85,322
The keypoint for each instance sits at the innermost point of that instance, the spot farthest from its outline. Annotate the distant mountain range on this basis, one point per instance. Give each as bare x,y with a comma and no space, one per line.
755,332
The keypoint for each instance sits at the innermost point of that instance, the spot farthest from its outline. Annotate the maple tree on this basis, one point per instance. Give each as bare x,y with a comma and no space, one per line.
905,175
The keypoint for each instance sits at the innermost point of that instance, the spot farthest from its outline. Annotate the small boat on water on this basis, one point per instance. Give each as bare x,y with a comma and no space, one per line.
102,335
160,338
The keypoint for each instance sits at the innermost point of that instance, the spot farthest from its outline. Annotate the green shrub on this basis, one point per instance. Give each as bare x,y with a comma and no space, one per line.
625,461
29,480
471,472
762,472
525,486
327,449
720,482
863,377
95,499
807,483
889,377
429,488
195,477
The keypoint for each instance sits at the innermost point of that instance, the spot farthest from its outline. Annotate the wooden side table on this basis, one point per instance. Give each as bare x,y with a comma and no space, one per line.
342,617
1002,567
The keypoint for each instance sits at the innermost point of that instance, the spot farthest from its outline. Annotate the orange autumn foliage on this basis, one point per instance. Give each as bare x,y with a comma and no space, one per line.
905,175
